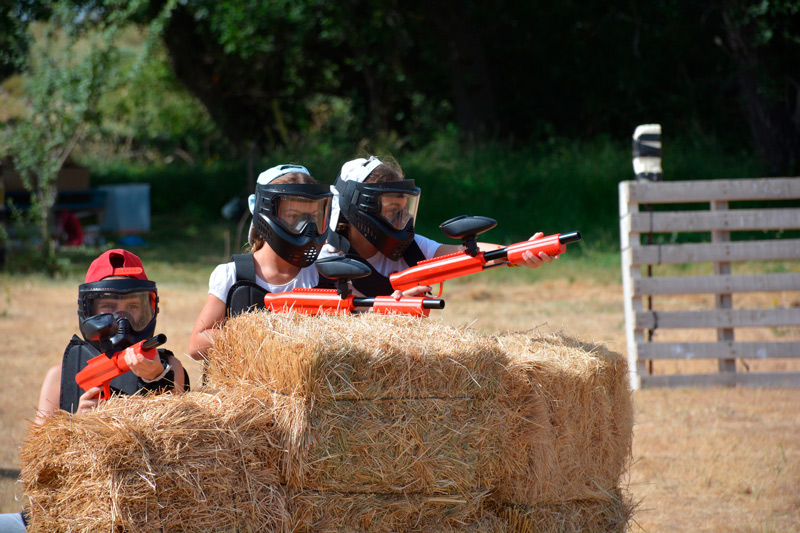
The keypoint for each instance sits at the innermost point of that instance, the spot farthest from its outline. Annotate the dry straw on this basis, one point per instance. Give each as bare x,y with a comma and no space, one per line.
350,424
157,464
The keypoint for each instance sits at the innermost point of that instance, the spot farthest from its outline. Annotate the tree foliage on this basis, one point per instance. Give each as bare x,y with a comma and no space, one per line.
277,71
69,69
512,69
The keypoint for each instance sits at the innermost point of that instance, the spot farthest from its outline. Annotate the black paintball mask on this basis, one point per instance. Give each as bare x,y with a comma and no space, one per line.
132,302
383,212
293,219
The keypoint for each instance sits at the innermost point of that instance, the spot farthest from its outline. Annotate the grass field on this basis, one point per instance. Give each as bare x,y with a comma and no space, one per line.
703,459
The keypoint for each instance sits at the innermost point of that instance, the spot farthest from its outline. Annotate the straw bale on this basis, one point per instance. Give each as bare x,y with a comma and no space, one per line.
588,421
356,357
612,514
158,464
356,512
432,446
395,403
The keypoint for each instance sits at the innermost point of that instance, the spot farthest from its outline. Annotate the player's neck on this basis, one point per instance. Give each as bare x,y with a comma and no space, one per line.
360,244
272,268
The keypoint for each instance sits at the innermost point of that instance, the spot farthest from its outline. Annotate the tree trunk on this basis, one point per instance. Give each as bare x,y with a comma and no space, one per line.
236,93
468,69
774,125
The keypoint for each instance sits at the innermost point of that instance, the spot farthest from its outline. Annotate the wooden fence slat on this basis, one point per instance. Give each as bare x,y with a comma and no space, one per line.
732,220
663,254
718,350
746,379
695,191
637,219
717,318
717,284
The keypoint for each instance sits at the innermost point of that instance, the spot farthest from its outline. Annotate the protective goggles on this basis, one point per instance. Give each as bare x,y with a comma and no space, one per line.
294,213
398,208
138,307
295,206
395,202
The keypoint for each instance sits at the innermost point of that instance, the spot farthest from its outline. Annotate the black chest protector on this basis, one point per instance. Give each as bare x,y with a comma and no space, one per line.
77,355
246,294
376,284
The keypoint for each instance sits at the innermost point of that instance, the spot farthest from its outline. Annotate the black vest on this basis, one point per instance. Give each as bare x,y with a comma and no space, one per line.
247,295
376,284
77,355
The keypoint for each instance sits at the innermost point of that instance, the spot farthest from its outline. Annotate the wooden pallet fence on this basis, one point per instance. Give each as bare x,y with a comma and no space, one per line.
638,219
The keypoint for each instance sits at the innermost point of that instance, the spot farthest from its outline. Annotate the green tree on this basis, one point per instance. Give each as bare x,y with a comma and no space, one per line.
69,68
14,42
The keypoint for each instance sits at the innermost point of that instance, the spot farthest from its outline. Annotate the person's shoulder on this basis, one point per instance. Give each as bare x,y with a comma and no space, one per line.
426,245
224,270
222,278
308,277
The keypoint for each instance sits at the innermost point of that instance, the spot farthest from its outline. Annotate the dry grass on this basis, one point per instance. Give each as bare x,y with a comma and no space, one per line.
704,460
717,460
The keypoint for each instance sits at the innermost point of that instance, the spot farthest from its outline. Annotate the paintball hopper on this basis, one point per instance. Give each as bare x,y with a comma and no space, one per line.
342,270
467,228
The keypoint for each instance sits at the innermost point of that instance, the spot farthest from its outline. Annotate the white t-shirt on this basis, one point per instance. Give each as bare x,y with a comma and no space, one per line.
383,264
224,276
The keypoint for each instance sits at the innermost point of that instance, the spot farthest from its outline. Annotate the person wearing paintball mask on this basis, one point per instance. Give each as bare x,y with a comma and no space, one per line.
116,284
290,221
372,220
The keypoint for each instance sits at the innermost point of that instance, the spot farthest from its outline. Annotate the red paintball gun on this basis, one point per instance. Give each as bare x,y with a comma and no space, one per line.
439,269
102,369
341,301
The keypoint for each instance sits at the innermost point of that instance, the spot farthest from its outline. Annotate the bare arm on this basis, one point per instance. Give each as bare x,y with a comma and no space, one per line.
206,327
49,397
179,376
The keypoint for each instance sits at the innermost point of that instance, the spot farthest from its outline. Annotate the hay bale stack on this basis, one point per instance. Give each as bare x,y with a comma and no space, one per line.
362,423
404,406
158,464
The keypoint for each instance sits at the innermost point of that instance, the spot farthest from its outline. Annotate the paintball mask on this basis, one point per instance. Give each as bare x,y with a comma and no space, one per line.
383,212
293,219
132,302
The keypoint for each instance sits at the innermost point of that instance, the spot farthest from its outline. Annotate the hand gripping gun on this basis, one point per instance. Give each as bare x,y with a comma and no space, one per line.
341,301
439,269
102,369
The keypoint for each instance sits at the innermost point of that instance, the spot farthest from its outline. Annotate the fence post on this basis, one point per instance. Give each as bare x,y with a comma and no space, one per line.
723,301
630,273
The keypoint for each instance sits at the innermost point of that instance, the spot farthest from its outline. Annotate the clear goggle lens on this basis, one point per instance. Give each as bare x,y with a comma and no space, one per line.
398,208
295,212
137,307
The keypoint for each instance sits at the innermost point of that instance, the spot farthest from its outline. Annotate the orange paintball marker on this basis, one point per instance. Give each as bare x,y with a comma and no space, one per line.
341,301
439,269
102,369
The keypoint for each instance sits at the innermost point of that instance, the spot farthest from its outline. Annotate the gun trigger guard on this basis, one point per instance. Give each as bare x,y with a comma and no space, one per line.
441,288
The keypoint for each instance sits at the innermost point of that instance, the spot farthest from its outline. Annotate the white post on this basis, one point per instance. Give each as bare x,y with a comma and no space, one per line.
630,273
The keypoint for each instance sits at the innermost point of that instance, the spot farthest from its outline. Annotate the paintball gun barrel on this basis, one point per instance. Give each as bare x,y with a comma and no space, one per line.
329,302
440,269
